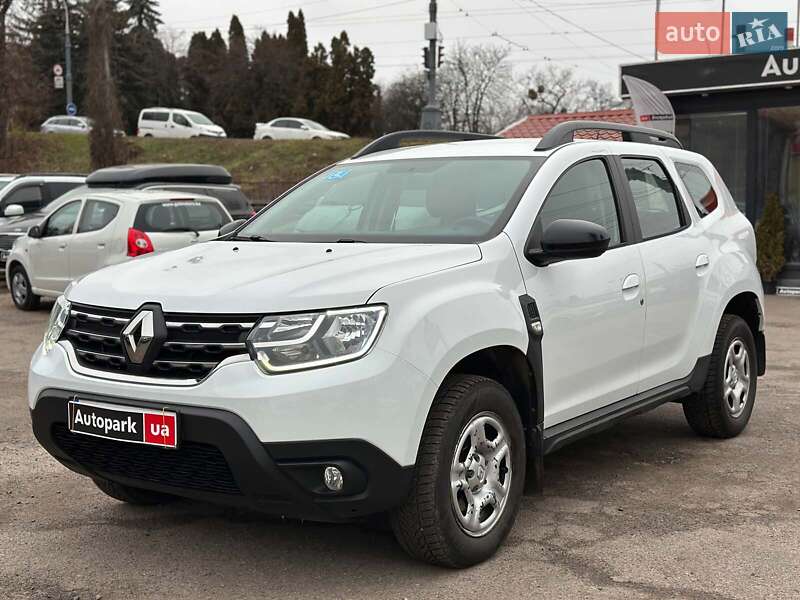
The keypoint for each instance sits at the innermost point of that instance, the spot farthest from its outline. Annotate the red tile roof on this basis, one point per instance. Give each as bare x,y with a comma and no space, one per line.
535,126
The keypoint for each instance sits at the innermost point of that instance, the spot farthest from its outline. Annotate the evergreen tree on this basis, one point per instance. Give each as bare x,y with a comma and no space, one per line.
236,108
145,14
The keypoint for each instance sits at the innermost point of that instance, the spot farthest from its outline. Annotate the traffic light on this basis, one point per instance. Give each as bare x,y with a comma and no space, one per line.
440,56
426,58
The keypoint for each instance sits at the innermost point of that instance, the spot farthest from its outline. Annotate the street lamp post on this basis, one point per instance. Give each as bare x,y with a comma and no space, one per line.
431,117
67,55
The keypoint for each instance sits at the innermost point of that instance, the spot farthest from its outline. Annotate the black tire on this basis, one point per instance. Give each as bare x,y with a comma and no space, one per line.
426,525
710,412
132,495
23,296
266,137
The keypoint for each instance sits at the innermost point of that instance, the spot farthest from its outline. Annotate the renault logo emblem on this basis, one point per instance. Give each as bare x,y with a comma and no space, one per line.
138,335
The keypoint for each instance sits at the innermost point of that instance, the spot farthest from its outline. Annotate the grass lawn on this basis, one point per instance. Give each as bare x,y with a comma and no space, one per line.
256,165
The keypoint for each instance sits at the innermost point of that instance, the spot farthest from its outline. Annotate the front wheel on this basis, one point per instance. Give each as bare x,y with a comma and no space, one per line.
469,477
21,290
722,408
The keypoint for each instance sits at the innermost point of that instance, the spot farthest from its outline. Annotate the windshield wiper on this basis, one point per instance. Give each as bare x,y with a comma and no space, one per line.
175,229
349,241
249,238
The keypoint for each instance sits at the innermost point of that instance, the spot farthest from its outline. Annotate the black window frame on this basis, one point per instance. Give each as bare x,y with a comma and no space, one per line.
626,230
683,211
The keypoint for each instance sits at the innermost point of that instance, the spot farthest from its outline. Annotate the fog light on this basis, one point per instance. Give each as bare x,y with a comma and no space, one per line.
333,479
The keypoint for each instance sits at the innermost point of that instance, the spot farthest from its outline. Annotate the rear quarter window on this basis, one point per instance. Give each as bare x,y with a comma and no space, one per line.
703,195
155,116
179,215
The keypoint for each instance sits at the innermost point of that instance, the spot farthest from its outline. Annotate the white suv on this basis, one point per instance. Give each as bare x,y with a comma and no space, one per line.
410,331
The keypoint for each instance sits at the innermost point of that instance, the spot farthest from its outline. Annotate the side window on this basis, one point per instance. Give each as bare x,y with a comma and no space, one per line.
654,197
96,215
583,192
29,197
282,123
162,117
57,189
294,124
700,189
62,222
180,120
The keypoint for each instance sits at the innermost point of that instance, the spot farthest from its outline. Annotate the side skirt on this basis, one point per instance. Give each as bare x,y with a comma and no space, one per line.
574,429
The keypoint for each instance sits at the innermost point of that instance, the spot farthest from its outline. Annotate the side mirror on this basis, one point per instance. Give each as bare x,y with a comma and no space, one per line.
35,231
231,227
304,127
569,239
13,210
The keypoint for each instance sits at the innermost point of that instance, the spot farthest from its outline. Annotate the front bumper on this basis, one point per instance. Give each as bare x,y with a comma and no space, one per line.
221,460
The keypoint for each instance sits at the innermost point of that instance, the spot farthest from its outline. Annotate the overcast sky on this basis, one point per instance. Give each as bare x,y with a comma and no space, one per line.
536,30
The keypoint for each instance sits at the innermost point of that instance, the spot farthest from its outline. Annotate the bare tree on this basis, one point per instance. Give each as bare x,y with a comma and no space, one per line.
105,148
554,89
5,7
476,88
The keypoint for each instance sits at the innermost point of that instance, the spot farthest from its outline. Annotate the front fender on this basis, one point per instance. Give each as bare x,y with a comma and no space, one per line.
436,320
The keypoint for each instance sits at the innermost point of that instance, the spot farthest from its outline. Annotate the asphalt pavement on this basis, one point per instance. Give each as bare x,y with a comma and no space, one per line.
644,510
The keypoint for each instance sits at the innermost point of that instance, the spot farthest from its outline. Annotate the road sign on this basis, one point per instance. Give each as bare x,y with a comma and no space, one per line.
58,70
72,110
58,82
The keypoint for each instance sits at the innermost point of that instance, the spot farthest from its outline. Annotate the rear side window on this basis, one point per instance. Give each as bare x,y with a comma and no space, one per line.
57,189
96,215
700,189
155,116
179,215
583,192
287,123
654,197
29,197
232,198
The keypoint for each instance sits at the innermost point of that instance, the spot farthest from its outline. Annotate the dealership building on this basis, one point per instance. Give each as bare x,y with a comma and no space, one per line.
742,111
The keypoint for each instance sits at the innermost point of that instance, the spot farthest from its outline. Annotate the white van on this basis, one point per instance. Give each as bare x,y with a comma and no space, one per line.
176,123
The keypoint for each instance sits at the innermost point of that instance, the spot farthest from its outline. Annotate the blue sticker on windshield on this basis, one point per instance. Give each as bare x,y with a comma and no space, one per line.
337,175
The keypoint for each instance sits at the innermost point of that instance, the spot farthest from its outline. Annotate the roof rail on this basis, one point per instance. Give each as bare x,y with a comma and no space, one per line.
390,141
563,134
49,174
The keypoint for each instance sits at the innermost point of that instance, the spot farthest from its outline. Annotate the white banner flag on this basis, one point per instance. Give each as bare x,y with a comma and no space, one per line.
652,107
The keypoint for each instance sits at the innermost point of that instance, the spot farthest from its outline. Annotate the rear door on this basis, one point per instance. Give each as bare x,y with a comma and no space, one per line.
94,237
675,255
172,224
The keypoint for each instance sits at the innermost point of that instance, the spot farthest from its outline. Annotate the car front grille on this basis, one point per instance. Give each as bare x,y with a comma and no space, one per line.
192,465
195,344
6,241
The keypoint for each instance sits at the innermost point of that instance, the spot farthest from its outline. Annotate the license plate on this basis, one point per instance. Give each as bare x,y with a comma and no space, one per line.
123,423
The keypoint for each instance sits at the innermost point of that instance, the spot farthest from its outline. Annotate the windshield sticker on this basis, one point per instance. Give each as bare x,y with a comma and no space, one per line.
337,175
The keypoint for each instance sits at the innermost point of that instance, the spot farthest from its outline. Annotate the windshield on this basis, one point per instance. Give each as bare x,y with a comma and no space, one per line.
199,119
314,125
409,200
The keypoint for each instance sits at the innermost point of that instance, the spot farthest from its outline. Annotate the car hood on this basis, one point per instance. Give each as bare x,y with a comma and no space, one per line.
262,277
20,224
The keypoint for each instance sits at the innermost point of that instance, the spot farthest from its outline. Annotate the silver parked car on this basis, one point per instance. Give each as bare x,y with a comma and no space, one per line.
66,124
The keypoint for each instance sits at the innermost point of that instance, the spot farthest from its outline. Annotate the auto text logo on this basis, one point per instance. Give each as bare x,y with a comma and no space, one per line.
721,32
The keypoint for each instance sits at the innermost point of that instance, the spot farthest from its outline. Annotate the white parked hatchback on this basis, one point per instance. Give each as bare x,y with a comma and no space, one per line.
95,230
292,128
177,123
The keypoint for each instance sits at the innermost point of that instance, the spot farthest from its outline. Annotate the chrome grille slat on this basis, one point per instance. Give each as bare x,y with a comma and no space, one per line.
195,344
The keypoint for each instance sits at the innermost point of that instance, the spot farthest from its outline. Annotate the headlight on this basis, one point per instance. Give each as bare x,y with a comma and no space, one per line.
58,319
282,343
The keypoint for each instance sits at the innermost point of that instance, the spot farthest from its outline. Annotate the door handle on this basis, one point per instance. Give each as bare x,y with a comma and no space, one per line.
631,282
101,246
702,261
62,246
